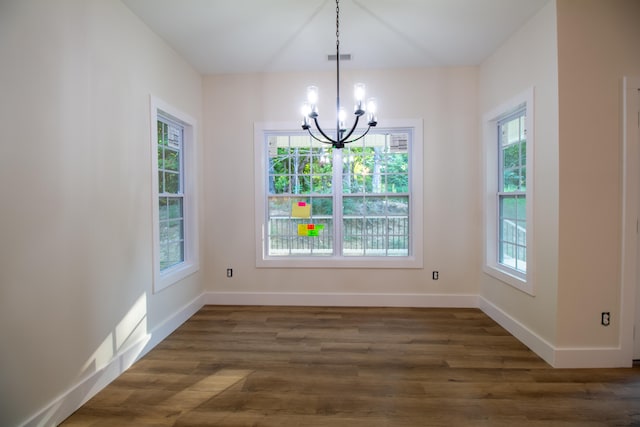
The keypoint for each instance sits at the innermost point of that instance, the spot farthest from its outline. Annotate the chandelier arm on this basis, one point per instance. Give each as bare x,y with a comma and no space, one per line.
318,139
332,141
353,128
360,137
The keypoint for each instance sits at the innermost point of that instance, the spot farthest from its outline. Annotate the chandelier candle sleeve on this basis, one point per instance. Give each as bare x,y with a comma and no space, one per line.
358,93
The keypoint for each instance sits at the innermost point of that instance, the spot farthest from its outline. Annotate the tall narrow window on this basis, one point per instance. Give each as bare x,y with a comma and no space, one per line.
512,192
170,192
508,146
175,221
355,206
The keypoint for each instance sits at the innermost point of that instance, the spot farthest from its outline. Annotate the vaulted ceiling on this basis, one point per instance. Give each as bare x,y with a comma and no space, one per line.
239,36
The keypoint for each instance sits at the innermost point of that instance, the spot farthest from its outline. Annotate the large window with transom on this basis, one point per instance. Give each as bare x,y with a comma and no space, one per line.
347,206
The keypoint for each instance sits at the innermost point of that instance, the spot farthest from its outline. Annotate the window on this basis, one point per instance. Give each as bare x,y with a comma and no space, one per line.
328,207
170,192
512,192
174,212
508,204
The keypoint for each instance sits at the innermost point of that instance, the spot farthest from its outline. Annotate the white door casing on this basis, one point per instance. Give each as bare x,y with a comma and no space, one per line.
630,261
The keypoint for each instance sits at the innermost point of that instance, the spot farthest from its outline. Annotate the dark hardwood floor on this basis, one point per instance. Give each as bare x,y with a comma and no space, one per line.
309,366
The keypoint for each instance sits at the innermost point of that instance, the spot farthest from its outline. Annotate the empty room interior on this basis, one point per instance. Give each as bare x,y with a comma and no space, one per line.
173,164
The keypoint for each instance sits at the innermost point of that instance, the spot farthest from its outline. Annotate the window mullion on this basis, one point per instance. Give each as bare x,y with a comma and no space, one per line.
337,203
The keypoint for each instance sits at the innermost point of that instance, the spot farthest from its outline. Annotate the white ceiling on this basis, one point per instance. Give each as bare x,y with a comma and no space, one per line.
238,36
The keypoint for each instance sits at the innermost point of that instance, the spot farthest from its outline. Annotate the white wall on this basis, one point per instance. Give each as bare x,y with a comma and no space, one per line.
592,62
75,259
445,98
529,59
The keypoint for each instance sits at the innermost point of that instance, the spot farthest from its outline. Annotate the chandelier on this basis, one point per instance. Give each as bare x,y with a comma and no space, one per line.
310,108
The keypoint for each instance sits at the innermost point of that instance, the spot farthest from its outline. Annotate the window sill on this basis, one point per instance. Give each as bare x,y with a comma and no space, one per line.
340,262
506,276
174,274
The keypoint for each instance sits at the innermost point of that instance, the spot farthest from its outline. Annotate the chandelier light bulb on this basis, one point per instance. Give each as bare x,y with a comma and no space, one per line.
342,115
312,99
372,109
306,111
359,93
312,95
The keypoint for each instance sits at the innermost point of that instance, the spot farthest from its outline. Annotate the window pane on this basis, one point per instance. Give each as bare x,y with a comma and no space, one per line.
171,254
508,254
511,157
301,184
163,208
321,184
376,205
172,182
522,207
397,183
398,205
508,207
164,233
521,233
353,184
279,184
174,207
175,230
279,206
511,180
160,157
353,240
171,160
322,206
161,136
521,258
353,205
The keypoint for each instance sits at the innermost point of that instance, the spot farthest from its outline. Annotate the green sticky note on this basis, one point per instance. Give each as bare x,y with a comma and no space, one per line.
313,232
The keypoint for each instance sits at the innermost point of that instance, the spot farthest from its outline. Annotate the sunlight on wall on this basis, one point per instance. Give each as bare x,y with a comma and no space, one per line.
132,325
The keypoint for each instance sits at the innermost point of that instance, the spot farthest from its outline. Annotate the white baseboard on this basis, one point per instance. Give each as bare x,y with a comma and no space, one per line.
558,357
529,338
340,299
63,406
599,357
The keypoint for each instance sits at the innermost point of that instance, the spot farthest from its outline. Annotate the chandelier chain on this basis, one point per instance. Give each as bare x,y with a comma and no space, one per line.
337,23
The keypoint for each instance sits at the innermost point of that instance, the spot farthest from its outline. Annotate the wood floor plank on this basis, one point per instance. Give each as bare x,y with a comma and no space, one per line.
321,366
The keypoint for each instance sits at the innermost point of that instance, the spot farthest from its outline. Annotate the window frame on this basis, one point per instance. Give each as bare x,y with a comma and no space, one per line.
171,275
415,257
492,192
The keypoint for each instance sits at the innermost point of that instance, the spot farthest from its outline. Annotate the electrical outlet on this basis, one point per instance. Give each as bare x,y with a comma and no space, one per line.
229,272
435,275
606,318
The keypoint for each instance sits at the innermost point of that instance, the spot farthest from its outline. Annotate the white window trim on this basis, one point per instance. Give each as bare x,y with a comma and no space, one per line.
414,260
523,282
191,264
